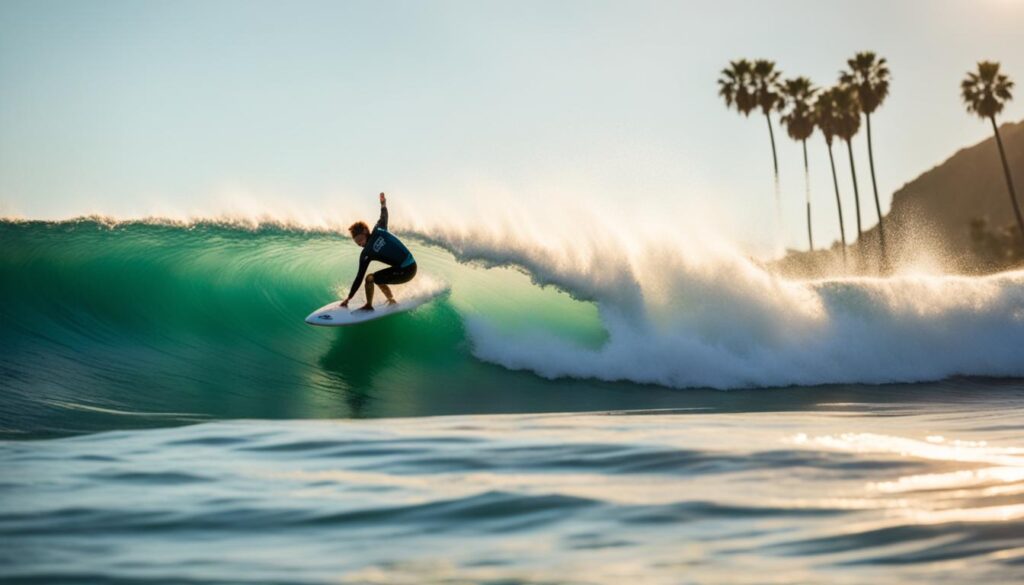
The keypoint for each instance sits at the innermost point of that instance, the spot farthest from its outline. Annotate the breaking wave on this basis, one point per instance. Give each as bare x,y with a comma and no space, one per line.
204,319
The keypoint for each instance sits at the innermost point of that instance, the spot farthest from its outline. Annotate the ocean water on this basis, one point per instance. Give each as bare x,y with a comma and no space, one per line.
604,413
840,493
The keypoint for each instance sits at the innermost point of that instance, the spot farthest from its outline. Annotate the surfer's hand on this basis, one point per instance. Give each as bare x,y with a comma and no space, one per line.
383,199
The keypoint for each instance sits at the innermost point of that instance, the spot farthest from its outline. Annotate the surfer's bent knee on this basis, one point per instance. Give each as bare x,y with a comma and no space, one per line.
369,278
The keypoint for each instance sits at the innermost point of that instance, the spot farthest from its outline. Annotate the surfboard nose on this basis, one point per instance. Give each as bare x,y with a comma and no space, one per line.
318,318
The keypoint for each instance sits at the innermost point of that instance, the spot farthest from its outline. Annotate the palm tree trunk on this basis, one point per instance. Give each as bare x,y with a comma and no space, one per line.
807,193
1009,179
839,204
778,190
771,134
878,206
856,195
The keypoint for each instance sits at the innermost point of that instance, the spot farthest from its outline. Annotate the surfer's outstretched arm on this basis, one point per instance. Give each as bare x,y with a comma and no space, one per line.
382,223
364,262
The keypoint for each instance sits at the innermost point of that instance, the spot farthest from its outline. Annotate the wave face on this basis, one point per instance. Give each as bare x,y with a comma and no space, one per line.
160,321
123,324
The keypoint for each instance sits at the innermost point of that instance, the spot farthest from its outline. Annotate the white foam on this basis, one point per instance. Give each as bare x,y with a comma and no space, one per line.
686,310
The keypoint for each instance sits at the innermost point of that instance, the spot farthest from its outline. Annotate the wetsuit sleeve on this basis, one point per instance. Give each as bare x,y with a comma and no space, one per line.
364,262
382,223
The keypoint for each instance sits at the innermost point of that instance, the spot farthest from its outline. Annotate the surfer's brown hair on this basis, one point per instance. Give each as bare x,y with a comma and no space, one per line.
358,227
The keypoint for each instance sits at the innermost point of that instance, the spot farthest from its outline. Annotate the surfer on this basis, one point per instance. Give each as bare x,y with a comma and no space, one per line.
382,246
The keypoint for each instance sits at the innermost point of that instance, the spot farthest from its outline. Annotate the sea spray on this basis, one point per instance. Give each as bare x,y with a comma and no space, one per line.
682,313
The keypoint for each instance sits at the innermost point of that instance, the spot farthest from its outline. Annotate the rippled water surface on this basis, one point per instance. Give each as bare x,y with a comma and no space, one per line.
841,492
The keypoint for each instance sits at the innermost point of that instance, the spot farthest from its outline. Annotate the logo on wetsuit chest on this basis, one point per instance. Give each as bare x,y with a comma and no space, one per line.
377,245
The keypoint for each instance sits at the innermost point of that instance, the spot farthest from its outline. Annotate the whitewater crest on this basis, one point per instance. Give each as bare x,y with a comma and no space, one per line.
685,311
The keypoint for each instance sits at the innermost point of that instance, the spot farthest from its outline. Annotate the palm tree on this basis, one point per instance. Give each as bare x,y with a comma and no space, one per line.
985,93
869,75
766,93
736,86
798,119
825,118
745,85
847,124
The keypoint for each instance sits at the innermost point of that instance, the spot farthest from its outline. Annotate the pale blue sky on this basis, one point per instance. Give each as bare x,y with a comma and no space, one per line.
138,107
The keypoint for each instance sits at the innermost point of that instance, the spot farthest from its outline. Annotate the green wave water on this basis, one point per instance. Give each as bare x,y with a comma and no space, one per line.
114,324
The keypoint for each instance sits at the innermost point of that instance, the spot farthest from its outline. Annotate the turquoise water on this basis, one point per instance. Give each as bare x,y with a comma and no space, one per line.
168,417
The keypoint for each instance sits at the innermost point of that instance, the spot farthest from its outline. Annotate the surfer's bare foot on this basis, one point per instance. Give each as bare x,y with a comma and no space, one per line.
392,302
365,308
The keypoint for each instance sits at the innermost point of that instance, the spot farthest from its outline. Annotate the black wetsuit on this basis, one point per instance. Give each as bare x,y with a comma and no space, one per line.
383,246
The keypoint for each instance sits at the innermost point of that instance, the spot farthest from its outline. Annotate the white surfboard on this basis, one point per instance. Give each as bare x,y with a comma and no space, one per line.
334,315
